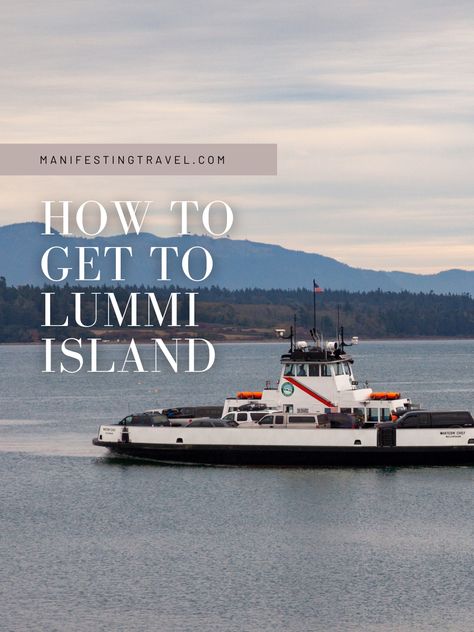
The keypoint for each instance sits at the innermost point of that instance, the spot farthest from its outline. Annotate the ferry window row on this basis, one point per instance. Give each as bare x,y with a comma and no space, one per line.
373,414
317,370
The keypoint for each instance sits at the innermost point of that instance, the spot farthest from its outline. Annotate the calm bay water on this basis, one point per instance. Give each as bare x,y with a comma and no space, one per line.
96,543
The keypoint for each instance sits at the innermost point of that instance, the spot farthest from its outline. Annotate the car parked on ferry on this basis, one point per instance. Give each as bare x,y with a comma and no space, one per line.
245,417
435,419
306,420
211,423
145,419
284,420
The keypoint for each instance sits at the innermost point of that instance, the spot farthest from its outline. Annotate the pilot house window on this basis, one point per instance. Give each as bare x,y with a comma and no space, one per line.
372,414
289,369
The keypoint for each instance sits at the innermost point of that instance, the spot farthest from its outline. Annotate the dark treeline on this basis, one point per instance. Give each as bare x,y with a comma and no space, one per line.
369,314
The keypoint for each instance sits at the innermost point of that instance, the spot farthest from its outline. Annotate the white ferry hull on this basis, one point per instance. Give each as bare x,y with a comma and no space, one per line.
295,448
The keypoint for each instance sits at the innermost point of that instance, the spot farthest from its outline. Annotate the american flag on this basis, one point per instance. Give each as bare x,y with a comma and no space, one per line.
316,288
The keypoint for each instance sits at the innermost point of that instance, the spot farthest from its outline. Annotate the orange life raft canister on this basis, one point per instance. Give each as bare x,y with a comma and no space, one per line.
385,395
249,395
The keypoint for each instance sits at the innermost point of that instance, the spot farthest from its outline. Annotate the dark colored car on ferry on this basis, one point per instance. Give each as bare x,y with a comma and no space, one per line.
211,423
190,412
338,420
145,419
435,419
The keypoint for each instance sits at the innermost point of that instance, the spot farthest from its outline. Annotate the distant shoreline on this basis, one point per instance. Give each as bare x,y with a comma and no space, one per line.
263,340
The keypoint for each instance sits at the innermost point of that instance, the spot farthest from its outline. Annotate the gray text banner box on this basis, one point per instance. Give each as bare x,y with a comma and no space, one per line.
114,159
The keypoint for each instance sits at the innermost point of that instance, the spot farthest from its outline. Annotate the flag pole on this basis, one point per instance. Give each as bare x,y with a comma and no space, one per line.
314,307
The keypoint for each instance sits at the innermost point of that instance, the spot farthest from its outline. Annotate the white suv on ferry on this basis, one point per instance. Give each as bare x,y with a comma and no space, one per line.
245,417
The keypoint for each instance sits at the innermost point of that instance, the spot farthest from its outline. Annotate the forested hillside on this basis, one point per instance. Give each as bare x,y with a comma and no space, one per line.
226,314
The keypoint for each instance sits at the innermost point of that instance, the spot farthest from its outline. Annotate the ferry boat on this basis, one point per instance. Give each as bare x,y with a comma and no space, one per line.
319,378
315,379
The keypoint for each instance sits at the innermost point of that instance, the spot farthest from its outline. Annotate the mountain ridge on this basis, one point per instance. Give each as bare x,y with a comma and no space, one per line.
238,264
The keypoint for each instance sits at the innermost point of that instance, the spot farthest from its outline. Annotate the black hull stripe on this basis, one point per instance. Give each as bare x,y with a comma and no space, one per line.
297,456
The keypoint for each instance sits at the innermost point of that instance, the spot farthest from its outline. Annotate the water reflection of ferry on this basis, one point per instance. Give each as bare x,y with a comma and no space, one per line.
315,380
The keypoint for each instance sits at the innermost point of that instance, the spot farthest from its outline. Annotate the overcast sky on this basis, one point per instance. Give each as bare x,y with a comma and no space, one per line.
370,102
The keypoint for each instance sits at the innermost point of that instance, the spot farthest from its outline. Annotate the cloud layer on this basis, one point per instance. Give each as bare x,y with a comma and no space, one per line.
370,103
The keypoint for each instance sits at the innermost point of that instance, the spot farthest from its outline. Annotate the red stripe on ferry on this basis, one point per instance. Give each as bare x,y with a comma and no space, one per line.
308,391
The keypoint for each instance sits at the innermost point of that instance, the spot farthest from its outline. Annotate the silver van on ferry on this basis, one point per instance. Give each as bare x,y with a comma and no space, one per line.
293,420
308,420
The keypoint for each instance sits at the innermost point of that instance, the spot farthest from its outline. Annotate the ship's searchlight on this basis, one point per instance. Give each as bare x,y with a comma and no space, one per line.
331,346
302,345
